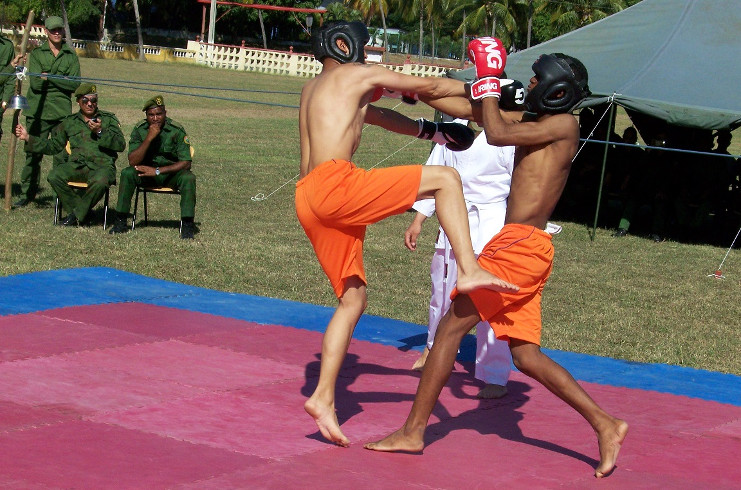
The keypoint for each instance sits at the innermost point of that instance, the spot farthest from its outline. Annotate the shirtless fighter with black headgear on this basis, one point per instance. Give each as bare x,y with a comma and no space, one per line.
547,138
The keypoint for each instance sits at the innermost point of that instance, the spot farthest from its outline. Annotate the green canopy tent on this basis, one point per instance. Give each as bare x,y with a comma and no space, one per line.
675,60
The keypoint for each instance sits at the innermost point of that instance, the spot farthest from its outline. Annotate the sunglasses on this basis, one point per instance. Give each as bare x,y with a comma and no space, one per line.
89,100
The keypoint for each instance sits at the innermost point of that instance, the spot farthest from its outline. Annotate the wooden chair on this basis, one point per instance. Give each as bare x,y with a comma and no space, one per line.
82,185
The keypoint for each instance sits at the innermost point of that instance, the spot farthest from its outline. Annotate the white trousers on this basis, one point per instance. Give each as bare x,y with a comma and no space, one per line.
493,358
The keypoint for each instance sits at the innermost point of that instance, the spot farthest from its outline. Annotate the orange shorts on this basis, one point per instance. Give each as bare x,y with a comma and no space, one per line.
337,201
522,255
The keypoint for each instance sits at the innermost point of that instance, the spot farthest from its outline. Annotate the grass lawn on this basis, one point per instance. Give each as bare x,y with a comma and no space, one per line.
629,298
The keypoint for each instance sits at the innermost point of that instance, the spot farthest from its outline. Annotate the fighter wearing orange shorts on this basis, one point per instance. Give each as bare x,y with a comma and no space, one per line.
335,200
546,138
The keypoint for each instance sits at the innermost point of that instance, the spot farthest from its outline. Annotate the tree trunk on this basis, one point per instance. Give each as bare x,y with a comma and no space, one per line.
139,31
421,32
464,46
529,22
434,46
262,28
101,27
67,32
385,34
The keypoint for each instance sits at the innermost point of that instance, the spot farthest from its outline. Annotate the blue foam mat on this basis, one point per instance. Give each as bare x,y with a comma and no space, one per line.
37,291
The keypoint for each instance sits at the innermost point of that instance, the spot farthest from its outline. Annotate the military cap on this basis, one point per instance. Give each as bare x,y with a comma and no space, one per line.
53,22
156,101
85,89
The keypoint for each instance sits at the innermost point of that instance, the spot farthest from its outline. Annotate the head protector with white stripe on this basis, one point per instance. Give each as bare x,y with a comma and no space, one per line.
354,34
562,83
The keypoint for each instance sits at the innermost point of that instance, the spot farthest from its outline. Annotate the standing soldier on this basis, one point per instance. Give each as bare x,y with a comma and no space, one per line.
8,62
159,154
48,99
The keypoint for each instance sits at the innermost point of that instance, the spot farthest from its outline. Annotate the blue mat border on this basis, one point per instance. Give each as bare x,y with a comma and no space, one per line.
38,291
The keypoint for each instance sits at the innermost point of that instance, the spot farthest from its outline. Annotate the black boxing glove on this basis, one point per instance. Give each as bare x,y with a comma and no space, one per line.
454,136
513,95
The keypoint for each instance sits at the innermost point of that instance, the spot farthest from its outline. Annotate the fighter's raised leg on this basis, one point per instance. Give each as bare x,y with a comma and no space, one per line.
444,185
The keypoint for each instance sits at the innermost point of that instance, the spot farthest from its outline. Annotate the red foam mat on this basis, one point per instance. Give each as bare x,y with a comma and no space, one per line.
140,396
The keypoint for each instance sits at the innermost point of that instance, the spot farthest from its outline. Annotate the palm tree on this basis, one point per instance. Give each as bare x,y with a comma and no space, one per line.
410,10
502,14
139,31
577,13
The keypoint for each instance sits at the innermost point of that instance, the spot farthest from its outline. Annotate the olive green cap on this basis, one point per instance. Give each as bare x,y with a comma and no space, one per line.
53,22
156,101
85,89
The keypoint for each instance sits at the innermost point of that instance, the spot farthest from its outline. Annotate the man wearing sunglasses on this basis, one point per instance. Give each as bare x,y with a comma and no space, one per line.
48,97
93,139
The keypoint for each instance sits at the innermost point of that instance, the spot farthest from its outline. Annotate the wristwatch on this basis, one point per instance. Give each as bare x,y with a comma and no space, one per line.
157,171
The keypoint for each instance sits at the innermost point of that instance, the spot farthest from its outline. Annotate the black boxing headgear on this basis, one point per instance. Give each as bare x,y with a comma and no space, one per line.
355,35
557,74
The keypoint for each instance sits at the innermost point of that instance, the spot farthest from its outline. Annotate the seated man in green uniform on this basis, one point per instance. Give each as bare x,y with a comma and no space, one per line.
159,154
93,139
56,70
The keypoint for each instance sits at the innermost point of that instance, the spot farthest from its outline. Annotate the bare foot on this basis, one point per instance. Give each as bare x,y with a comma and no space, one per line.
326,419
419,364
492,392
610,440
483,279
399,441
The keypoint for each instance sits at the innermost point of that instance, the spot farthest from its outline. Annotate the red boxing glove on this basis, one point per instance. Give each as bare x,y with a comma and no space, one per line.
488,55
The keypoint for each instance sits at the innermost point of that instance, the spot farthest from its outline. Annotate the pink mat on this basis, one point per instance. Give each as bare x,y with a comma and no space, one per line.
139,396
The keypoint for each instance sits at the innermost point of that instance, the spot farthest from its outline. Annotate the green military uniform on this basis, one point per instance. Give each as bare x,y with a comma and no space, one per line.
92,159
7,81
170,146
49,102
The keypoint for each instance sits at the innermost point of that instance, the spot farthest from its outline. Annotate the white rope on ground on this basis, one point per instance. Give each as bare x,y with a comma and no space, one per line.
718,274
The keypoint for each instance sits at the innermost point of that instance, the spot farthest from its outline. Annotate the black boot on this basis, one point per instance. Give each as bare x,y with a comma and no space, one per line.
70,220
188,230
119,225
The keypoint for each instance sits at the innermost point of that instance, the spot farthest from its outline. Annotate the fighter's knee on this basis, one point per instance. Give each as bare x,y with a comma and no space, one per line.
450,175
524,361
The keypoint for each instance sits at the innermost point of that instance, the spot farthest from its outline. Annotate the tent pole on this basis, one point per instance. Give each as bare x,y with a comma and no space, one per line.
604,166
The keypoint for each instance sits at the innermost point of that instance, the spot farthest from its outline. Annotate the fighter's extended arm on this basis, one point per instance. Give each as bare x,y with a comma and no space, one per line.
455,136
